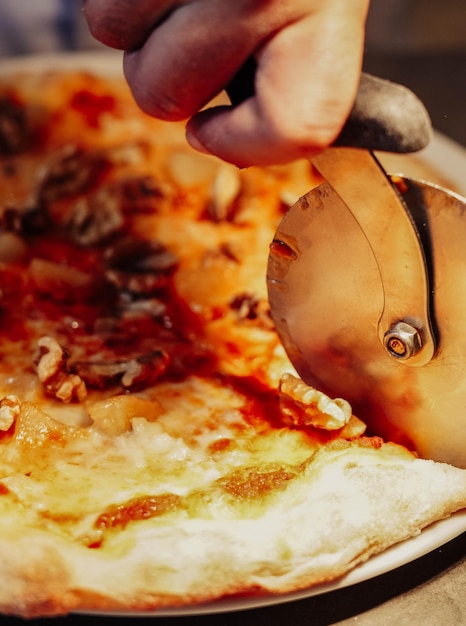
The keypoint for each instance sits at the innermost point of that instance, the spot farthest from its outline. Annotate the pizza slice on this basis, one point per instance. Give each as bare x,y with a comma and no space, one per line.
156,446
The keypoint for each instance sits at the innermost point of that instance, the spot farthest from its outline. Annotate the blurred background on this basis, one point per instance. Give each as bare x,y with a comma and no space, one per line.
421,43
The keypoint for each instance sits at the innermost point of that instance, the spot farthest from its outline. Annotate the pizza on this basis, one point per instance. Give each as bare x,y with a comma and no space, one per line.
157,448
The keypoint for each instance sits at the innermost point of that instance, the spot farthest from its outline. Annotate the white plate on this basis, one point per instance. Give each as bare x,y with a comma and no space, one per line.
443,162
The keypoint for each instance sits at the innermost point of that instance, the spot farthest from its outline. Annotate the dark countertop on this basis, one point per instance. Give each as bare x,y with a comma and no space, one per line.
438,78
430,590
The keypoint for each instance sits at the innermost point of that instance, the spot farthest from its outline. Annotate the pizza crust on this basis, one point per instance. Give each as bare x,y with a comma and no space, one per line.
334,517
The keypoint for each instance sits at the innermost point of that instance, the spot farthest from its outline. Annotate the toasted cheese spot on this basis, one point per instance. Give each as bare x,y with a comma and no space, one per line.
220,445
257,482
141,508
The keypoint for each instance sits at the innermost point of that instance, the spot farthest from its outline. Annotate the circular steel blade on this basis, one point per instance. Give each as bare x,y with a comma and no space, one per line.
327,297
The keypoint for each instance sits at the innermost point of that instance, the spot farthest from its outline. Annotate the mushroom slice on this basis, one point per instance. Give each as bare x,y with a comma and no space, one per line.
132,373
138,266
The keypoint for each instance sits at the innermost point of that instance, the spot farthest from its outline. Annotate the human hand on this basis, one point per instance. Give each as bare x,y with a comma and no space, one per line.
179,54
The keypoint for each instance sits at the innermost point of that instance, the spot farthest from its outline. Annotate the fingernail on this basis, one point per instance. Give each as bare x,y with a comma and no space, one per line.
195,143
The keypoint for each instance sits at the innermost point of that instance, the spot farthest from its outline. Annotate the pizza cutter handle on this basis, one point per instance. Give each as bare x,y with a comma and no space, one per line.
386,116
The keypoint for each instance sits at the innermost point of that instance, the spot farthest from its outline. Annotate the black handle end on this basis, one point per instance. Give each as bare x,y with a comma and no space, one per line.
386,117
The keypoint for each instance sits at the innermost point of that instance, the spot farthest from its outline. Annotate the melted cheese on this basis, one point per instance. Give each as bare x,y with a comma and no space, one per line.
81,471
145,453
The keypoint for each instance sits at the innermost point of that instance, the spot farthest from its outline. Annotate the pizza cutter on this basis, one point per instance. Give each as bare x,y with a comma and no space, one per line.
367,281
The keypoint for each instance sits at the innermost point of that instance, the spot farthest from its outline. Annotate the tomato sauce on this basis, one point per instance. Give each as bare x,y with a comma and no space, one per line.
92,106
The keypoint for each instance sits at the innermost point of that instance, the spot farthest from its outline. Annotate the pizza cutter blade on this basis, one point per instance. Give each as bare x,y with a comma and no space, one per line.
367,282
